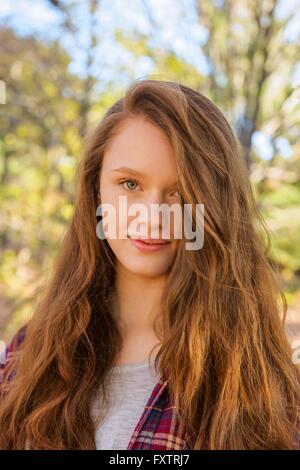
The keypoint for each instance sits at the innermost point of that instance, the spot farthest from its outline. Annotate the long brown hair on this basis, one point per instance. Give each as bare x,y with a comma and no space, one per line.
224,350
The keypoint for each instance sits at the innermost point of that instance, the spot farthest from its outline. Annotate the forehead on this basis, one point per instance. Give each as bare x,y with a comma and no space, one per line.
142,146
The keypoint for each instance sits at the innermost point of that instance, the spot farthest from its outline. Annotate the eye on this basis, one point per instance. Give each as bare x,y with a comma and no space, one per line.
176,193
131,182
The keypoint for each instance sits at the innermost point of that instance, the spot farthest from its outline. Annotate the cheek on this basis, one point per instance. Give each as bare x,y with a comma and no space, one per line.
109,192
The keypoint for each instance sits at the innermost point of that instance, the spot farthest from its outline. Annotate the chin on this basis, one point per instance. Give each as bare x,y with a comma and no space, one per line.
147,269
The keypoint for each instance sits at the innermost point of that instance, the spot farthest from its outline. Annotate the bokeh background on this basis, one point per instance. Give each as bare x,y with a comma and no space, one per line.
64,62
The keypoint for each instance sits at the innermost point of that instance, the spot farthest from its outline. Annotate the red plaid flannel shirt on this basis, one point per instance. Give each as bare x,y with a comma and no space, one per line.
158,427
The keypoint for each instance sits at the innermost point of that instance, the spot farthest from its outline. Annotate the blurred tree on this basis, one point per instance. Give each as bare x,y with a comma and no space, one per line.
252,61
39,146
72,26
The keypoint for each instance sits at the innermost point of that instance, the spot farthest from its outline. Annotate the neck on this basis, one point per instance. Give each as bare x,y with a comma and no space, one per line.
137,299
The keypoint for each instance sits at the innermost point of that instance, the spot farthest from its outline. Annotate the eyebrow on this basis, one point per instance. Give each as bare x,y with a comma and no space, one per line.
125,169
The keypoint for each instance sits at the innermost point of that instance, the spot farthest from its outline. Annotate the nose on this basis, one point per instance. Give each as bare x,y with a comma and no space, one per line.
153,220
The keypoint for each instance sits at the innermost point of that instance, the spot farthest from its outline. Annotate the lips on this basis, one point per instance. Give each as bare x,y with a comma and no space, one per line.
149,245
151,241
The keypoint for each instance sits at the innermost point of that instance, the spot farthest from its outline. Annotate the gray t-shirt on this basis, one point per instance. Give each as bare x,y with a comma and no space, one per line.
130,388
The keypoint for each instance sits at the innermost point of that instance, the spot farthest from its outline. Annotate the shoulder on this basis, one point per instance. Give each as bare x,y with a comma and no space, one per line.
11,351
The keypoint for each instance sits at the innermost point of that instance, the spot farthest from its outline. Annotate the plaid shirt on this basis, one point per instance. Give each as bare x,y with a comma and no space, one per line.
158,427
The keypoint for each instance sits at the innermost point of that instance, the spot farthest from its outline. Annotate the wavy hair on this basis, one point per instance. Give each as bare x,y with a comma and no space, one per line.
224,350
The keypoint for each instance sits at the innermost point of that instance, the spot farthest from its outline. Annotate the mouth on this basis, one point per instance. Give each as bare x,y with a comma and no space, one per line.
148,244
151,241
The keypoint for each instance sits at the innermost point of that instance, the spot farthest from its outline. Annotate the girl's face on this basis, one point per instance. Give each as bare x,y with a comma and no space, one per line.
139,163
